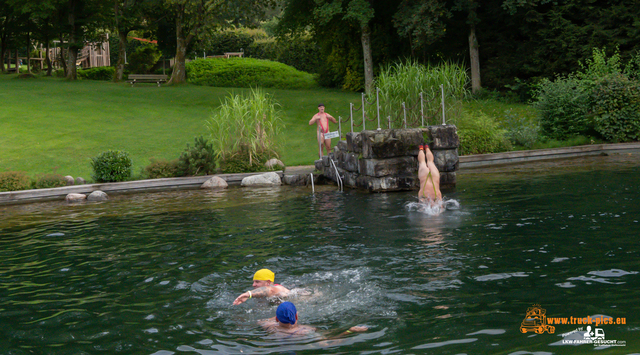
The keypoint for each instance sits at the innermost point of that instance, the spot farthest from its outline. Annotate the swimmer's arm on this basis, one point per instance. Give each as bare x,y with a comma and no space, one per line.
331,118
313,119
333,341
266,322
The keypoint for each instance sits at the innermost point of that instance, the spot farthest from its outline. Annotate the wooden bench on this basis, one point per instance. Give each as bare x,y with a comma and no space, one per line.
147,78
234,54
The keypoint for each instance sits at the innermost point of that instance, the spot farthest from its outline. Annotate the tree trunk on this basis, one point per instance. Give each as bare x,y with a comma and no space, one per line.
179,74
72,73
47,59
122,52
3,53
63,61
368,63
29,53
474,57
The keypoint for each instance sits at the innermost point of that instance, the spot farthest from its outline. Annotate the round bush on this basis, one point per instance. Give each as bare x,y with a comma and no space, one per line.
616,108
111,166
14,181
247,72
563,107
48,181
98,73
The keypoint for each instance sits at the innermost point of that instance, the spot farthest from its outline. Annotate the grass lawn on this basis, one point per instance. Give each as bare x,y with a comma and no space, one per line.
51,125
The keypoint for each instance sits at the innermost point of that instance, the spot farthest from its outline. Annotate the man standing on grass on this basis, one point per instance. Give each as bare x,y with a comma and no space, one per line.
322,119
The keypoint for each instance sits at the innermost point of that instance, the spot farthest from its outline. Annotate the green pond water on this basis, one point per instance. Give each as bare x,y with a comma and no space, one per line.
156,273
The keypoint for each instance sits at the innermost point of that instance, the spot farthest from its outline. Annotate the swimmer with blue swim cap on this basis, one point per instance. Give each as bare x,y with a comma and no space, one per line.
286,322
263,286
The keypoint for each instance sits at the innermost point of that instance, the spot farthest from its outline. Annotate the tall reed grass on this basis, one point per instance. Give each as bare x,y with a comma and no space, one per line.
404,81
247,127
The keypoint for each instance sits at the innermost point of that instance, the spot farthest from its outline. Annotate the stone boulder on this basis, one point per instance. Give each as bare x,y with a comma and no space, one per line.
75,197
80,181
215,182
390,143
69,180
354,142
446,160
267,179
393,166
387,183
319,165
297,179
273,163
442,137
97,196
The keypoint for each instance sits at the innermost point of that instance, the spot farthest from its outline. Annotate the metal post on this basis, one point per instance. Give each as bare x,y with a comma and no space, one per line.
340,126
351,115
363,127
378,104
404,113
313,188
442,89
389,119
422,109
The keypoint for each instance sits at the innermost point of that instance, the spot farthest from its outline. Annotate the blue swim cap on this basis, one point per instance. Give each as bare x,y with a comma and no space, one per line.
286,313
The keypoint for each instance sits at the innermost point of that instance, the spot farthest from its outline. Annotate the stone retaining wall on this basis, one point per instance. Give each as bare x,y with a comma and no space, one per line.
386,160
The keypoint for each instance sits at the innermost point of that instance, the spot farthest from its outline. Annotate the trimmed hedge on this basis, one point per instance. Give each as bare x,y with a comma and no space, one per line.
111,166
98,73
616,108
247,72
14,181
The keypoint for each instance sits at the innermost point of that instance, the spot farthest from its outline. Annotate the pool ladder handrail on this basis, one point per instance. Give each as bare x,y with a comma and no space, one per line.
339,180
313,188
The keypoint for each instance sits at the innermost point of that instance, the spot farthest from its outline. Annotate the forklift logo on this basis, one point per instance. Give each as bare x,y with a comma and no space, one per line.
536,321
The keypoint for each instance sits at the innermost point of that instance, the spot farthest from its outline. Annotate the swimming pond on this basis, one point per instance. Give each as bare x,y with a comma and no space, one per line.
157,273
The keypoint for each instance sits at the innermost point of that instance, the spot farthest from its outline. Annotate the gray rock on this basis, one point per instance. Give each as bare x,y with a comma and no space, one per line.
443,137
354,142
267,179
447,179
273,163
390,143
69,180
342,145
350,162
446,160
97,195
75,197
319,165
407,165
215,182
387,183
350,179
80,181
296,179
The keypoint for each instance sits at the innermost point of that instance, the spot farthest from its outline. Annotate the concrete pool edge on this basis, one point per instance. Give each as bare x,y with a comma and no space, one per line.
484,160
190,182
466,162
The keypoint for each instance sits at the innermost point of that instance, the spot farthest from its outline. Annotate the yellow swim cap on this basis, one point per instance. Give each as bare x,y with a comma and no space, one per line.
264,275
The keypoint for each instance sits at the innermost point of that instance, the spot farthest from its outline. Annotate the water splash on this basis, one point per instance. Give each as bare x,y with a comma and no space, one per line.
435,209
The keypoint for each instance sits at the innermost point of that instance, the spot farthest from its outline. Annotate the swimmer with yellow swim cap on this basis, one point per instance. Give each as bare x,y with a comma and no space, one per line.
263,286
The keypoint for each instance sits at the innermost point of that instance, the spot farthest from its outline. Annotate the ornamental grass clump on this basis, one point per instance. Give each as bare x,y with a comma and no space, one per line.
111,166
246,128
404,81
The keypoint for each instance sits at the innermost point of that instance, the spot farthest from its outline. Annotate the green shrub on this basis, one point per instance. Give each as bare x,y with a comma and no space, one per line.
247,72
160,168
563,106
97,73
480,134
520,131
111,166
14,181
197,160
240,161
48,181
298,52
615,103
142,60
228,41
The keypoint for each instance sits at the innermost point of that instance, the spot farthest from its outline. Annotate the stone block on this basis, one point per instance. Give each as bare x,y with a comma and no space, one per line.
350,162
390,143
354,142
342,145
325,161
447,179
446,160
384,167
338,156
296,179
350,179
386,183
319,165
442,137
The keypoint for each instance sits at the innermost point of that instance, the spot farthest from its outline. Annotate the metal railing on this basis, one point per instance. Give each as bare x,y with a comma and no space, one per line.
400,117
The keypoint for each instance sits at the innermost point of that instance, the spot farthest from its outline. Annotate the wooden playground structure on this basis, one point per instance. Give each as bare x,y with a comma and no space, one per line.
92,55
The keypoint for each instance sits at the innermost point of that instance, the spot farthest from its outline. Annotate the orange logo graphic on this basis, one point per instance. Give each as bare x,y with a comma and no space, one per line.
536,321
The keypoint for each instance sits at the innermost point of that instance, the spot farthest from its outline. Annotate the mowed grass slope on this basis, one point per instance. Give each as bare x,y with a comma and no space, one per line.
51,125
